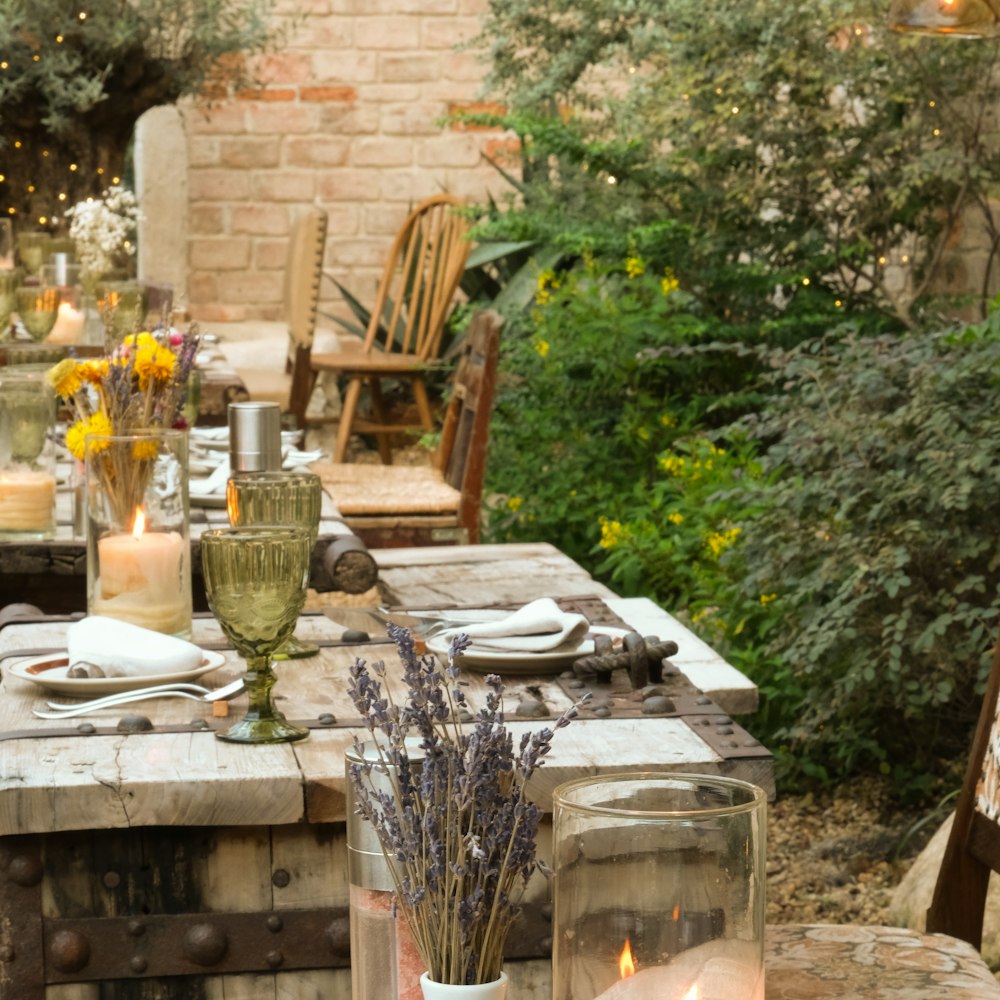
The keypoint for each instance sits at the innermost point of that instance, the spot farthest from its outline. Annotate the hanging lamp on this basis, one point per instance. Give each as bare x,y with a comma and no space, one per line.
961,18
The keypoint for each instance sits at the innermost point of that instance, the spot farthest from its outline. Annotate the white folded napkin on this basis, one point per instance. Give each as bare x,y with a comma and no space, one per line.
535,628
214,485
121,649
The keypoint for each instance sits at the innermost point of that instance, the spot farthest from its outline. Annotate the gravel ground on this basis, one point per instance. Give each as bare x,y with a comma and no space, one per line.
835,856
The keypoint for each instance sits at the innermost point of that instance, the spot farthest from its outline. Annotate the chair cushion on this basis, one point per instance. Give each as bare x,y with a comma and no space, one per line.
854,962
387,489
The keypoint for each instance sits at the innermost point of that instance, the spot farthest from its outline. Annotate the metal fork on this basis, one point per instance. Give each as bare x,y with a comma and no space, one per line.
195,692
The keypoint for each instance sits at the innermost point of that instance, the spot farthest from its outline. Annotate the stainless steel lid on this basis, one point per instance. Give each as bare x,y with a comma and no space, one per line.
254,437
366,865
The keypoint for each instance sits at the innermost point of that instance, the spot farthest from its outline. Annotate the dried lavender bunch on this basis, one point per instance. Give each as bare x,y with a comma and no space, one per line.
455,826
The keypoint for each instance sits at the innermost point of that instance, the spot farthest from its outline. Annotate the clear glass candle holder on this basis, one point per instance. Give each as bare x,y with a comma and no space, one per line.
27,455
659,888
138,529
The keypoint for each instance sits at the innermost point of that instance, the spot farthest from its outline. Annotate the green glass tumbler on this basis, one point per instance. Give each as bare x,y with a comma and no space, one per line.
279,498
255,581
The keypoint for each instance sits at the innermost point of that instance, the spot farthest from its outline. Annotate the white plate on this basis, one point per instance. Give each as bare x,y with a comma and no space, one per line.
50,672
496,661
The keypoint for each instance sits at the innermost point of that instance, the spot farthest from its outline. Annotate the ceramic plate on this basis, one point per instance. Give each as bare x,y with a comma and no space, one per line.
495,661
50,672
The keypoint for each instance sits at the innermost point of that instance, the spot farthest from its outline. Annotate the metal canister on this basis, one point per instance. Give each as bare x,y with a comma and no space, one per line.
254,437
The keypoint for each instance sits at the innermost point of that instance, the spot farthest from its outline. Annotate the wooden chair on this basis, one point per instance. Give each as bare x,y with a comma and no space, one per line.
853,962
407,323
394,505
273,358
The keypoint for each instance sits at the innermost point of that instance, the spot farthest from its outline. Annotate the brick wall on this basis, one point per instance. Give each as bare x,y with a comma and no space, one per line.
348,115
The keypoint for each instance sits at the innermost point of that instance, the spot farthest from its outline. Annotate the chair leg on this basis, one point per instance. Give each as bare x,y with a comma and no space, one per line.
351,397
380,414
423,403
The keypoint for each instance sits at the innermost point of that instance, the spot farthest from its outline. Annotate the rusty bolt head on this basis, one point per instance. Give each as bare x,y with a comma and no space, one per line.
69,951
112,880
87,728
138,964
205,944
25,870
274,923
6,953
136,928
338,936
328,719
281,878
134,724
274,959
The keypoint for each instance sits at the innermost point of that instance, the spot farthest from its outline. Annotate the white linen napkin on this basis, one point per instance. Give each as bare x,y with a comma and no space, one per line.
121,649
535,628
214,485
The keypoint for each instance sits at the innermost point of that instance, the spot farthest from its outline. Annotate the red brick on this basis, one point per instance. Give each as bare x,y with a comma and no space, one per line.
343,95
213,120
347,185
282,119
347,121
206,220
269,255
203,151
346,65
474,108
411,119
408,185
278,95
505,151
283,67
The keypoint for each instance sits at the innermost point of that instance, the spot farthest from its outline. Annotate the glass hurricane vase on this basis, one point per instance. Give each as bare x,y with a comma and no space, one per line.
138,529
255,582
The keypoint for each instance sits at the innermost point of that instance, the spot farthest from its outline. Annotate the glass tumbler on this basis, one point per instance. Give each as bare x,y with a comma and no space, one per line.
659,888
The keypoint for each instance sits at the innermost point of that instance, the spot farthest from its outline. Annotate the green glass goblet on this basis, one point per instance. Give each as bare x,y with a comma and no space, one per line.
10,281
38,307
288,498
255,581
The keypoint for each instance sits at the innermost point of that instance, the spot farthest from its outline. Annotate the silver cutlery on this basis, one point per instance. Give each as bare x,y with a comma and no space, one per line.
194,692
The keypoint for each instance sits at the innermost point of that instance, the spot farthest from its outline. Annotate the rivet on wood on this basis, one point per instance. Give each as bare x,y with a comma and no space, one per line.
546,911
69,951
274,923
338,934
274,959
86,728
281,878
134,724
25,870
205,944
138,964
136,928
112,880
328,719
6,953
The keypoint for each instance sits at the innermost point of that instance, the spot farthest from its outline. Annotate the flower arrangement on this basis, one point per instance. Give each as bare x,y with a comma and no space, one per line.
141,386
102,229
456,828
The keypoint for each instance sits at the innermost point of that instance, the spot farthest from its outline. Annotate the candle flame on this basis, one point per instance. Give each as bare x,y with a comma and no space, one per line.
139,524
626,964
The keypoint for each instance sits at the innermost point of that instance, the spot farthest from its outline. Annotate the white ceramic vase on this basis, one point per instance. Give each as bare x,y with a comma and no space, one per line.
497,990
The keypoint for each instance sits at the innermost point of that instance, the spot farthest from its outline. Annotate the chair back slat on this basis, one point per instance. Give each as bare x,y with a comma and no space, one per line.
419,280
465,432
973,848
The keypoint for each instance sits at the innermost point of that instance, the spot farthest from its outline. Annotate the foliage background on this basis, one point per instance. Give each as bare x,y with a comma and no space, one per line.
733,384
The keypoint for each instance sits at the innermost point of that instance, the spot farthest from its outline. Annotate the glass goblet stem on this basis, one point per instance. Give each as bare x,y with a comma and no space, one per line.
263,723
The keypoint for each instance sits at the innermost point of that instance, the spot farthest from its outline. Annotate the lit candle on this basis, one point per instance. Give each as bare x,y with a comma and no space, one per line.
69,325
141,578
27,500
698,973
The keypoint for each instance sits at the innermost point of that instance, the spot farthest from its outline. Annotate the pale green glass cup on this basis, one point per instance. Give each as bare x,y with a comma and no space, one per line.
38,307
281,498
255,582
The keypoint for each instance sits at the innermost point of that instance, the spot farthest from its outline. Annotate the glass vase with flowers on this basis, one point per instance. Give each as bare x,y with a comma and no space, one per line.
447,801
131,439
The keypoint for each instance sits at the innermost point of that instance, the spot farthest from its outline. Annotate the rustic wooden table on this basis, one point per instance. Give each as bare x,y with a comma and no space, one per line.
169,864
52,574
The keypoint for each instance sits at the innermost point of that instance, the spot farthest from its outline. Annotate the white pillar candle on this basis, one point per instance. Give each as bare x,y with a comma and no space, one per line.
141,579
27,500
69,324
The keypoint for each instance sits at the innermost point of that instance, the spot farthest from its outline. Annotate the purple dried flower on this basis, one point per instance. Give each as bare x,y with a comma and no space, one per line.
456,827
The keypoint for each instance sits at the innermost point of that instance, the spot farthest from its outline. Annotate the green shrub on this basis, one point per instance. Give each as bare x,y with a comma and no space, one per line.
874,524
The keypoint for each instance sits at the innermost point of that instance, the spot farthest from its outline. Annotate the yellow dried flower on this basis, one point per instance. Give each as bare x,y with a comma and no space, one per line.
675,517
612,533
65,378
97,423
